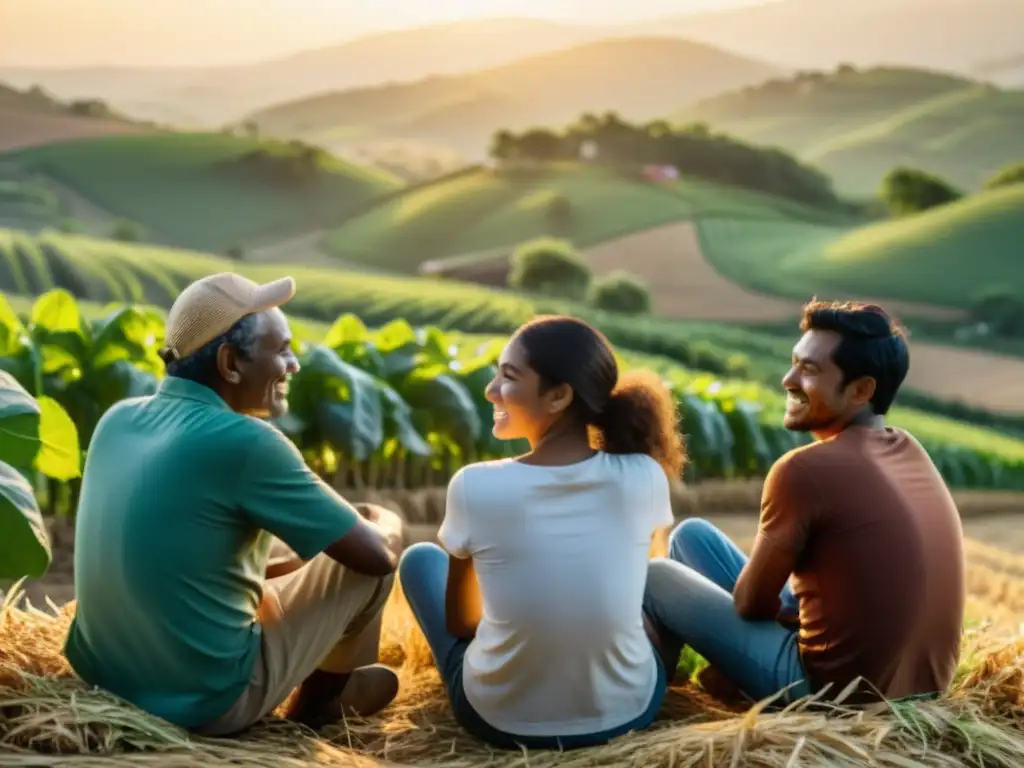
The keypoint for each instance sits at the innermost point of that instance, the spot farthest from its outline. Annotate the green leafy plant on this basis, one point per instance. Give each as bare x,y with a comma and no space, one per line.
37,437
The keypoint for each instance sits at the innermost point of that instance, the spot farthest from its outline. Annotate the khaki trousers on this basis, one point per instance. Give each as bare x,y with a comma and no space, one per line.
322,616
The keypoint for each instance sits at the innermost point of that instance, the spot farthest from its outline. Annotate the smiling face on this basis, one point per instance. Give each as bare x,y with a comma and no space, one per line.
816,400
521,411
259,378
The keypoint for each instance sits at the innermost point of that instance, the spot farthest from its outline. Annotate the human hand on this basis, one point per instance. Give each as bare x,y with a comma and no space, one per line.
390,524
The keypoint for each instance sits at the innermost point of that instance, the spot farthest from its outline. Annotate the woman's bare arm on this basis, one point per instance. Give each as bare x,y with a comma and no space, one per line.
463,605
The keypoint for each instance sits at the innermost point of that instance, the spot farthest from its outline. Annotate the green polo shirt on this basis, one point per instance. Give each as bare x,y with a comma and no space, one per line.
178,496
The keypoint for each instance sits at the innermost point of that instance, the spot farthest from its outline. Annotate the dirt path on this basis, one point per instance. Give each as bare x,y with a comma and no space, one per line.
682,282
982,378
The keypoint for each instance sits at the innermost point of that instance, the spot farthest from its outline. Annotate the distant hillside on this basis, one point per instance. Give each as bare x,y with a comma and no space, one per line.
948,256
857,124
33,116
220,94
481,214
641,78
209,191
938,34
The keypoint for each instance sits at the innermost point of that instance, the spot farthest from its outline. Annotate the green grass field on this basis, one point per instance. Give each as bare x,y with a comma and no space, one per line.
183,189
856,125
946,256
492,209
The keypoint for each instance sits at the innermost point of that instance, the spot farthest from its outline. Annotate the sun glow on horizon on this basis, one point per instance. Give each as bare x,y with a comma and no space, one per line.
64,33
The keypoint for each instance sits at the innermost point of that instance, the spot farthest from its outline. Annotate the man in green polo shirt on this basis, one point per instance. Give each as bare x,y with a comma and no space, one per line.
182,496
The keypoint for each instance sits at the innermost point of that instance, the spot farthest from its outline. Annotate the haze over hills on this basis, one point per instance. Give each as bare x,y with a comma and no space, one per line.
219,94
1004,69
787,33
954,35
641,78
857,124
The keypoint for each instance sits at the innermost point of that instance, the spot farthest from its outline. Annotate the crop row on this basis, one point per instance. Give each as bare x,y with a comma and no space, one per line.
106,271
403,406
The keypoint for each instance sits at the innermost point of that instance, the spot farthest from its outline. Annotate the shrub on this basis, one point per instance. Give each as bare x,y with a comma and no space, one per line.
549,266
620,291
127,232
909,190
1001,311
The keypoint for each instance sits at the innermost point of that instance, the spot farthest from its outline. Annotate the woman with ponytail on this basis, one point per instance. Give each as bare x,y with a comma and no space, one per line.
533,609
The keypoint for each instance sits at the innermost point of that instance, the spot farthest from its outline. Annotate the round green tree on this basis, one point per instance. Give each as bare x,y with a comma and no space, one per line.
620,291
549,266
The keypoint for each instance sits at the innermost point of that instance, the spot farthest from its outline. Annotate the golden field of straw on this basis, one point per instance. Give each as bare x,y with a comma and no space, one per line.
48,717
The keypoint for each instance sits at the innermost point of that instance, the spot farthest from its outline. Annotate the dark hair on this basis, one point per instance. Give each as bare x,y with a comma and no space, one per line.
634,413
201,365
872,344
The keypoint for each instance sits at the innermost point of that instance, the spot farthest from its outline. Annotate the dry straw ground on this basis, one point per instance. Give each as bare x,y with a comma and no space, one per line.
47,717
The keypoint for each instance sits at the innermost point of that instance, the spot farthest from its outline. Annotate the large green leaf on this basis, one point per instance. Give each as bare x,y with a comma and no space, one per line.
475,375
436,391
130,334
350,340
347,329
24,545
37,432
398,422
60,455
56,328
19,364
341,403
709,441
56,310
751,452
19,423
399,349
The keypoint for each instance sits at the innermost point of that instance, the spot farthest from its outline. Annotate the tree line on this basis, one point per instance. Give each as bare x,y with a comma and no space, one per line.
693,149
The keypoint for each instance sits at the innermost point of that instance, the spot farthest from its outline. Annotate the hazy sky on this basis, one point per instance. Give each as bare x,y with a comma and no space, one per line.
204,32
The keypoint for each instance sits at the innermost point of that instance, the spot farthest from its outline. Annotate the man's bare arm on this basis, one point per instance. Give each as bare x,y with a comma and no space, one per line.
389,523
757,589
374,545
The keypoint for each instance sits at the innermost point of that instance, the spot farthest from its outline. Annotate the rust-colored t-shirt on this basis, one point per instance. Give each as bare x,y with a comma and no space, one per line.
879,571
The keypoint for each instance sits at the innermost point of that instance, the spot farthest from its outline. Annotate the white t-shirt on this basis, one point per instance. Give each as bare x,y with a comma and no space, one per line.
561,555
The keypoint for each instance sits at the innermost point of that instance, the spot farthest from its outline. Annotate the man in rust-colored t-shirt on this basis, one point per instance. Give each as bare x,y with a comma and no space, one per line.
857,569
872,537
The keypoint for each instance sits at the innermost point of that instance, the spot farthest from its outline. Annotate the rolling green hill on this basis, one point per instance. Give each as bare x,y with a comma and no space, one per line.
641,78
947,256
210,191
857,124
102,271
488,209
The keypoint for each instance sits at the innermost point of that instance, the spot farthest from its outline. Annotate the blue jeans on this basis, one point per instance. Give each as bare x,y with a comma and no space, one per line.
423,574
690,595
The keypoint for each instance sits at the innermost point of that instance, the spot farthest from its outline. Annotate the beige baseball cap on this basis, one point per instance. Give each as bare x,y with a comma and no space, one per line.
210,306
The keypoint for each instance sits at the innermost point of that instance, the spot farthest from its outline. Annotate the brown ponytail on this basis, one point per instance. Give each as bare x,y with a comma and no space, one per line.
640,417
631,413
